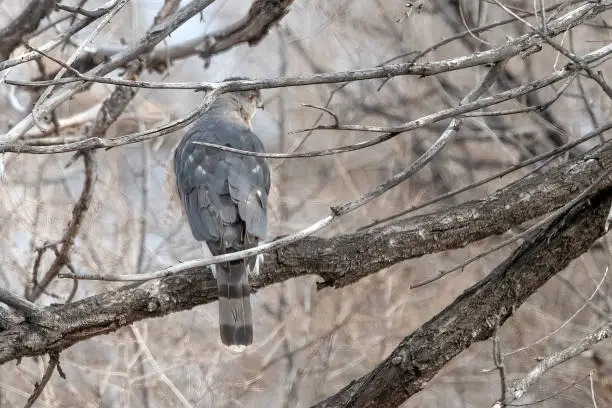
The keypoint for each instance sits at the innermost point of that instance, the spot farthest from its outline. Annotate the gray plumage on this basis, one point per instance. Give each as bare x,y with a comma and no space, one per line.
225,198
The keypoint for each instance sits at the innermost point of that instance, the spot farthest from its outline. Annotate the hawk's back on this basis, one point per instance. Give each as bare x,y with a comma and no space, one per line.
224,194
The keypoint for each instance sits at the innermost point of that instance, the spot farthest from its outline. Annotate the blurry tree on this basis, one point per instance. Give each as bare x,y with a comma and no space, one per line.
488,160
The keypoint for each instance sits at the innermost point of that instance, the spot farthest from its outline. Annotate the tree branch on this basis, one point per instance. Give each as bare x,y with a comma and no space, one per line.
340,261
509,49
27,22
78,214
232,86
262,15
521,386
476,313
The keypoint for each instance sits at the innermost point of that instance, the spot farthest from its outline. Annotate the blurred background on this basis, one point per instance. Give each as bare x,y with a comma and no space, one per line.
308,343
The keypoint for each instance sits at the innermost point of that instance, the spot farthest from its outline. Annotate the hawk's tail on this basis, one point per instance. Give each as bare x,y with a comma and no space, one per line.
235,320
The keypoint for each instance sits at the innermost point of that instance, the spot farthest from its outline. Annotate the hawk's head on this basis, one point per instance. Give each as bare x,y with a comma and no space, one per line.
248,101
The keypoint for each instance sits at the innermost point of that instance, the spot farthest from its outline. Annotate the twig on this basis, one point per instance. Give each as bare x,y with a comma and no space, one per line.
78,213
324,109
159,370
550,154
547,398
144,203
593,398
567,321
498,358
279,243
78,10
518,389
526,233
38,388
608,220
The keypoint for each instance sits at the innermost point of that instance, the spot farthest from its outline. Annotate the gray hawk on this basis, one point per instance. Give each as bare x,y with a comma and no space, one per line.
225,197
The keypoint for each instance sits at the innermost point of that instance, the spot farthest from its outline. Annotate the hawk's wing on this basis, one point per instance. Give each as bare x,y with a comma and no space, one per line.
224,194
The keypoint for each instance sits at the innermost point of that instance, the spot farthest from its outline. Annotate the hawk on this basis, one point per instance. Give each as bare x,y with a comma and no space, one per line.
225,197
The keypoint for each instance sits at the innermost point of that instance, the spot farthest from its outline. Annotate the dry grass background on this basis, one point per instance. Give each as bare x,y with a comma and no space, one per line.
308,343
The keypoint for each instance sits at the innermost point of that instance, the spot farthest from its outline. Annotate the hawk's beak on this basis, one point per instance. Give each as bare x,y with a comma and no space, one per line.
259,104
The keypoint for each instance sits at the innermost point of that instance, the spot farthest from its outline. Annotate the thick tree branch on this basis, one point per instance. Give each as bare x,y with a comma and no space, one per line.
12,35
475,315
340,261
251,29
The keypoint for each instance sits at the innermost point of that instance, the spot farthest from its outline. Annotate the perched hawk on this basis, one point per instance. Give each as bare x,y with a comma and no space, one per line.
225,198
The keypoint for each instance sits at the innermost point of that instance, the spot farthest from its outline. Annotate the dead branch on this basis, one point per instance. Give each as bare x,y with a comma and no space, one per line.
518,389
345,259
26,23
78,213
475,314
251,29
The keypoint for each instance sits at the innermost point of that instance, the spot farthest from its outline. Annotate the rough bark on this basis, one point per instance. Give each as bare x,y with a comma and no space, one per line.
12,35
475,315
340,261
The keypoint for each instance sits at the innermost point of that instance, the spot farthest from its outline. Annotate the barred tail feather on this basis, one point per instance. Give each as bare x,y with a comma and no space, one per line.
235,319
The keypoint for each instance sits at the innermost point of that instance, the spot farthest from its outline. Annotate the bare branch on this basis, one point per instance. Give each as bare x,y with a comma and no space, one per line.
38,388
27,22
262,15
76,27
511,48
475,314
518,389
498,359
231,86
345,259
24,306
155,35
78,213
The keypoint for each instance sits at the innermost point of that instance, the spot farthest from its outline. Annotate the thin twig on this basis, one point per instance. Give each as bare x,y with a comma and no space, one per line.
324,109
337,211
550,154
566,322
593,398
527,232
78,213
279,243
38,388
498,359
519,387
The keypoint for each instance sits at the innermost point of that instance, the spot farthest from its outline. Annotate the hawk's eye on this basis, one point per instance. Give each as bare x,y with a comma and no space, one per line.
251,96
